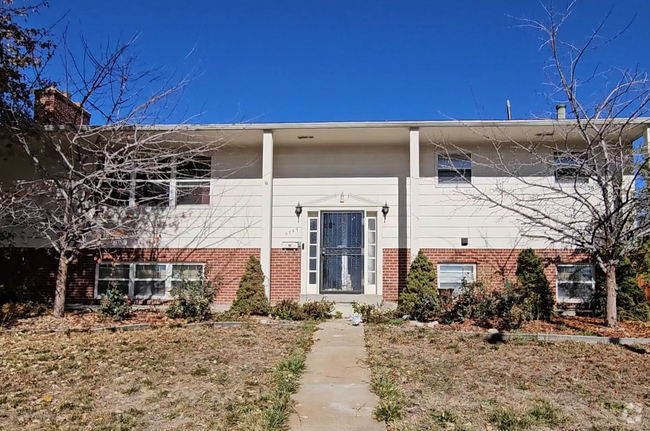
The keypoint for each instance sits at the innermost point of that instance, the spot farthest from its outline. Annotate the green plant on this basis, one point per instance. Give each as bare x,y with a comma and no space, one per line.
251,298
115,304
288,309
391,399
192,300
421,293
631,303
535,291
317,310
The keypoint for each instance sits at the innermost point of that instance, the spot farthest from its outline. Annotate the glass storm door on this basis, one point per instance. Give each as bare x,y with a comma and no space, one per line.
341,252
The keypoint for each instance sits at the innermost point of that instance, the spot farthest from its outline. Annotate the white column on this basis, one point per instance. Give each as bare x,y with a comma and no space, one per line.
414,192
646,141
267,208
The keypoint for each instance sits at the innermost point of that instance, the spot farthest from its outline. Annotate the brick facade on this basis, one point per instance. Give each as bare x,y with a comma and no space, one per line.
493,266
224,267
285,274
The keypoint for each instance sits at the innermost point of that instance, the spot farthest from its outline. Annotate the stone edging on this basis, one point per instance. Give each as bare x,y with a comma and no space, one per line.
141,326
552,338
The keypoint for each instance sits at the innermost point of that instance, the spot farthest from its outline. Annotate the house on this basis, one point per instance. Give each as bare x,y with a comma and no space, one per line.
334,210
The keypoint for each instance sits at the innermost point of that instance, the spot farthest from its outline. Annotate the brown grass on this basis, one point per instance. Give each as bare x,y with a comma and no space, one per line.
183,378
437,380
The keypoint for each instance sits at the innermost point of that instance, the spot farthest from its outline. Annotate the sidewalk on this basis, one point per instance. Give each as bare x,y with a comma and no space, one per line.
334,392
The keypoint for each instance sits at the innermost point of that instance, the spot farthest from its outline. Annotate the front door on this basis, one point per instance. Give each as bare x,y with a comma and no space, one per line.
342,252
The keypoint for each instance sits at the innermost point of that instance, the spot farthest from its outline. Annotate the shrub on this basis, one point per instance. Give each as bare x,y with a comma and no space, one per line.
421,293
115,304
288,309
317,310
371,313
251,298
535,291
474,302
630,298
192,300
12,311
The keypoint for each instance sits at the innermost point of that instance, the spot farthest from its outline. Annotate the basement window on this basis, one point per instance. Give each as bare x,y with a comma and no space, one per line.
575,283
451,276
454,168
147,280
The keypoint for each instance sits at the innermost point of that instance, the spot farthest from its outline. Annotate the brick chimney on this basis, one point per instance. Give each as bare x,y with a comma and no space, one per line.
54,107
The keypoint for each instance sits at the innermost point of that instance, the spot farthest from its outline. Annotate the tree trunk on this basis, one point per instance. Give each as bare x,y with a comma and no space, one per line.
610,282
61,280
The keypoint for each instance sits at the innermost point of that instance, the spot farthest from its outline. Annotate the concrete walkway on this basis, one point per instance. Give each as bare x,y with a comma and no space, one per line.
334,391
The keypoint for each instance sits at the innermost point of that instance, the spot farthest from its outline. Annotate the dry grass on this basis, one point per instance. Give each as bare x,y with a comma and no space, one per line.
182,378
437,381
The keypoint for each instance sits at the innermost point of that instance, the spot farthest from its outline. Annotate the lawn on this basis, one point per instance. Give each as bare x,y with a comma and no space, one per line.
167,378
430,380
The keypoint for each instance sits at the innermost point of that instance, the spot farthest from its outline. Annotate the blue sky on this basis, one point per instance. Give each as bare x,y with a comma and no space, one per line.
348,60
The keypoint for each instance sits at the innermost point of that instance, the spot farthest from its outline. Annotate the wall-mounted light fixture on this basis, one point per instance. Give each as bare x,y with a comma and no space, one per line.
298,210
384,210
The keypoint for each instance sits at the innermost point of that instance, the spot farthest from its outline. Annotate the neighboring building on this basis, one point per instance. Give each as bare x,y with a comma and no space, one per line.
331,209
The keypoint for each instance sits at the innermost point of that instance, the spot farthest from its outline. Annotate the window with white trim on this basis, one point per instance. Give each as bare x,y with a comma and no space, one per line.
454,168
146,280
570,167
371,222
313,248
451,276
575,283
193,182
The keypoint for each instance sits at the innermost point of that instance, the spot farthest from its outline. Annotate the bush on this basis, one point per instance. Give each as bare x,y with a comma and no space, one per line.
317,310
251,298
421,293
115,304
192,301
288,309
12,311
534,288
474,302
630,298
373,314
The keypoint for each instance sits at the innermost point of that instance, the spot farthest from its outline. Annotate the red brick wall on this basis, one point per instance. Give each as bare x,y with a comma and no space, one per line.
285,274
493,266
223,267
54,107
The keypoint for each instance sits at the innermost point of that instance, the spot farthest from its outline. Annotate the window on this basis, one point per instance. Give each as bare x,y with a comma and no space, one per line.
113,274
313,248
153,188
146,280
569,167
115,188
193,182
450,276
454,168
575,283
372,248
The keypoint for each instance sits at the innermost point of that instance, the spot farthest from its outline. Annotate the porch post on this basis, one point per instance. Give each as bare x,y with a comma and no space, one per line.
646,141
267,209
414,191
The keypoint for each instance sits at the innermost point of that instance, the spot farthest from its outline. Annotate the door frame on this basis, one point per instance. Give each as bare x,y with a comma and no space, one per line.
368,289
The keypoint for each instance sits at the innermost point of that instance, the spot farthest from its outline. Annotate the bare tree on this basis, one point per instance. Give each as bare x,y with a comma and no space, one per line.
107,185
575,183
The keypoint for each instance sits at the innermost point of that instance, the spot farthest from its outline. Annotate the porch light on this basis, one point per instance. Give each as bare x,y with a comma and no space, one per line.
298,209
384,210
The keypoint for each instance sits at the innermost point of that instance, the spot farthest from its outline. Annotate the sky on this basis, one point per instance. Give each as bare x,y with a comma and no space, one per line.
348,60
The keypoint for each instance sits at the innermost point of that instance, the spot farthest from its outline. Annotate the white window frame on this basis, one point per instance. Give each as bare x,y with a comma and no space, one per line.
456,264
462,182
169,267
173,186
558,282
572,179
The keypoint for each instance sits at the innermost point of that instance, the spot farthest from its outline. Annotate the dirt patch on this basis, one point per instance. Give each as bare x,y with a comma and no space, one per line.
438,381
166,378
569,325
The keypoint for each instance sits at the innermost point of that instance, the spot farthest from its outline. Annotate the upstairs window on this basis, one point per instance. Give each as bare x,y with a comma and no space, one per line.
570,167
153,188
575,283
193,182
454,168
